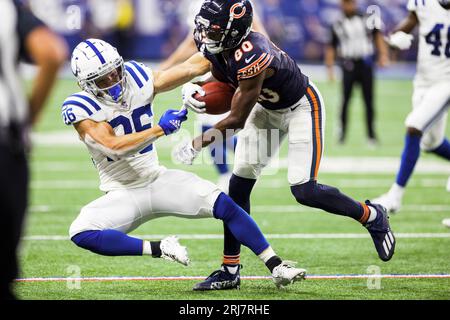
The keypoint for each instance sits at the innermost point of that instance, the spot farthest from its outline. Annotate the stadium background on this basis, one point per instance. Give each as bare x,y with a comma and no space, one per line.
63,179
301,28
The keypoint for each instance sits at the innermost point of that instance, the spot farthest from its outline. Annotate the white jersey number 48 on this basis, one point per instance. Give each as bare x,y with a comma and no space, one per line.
435,39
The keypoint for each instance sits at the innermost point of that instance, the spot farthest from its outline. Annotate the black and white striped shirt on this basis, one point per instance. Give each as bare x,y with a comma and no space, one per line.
353,37
16,22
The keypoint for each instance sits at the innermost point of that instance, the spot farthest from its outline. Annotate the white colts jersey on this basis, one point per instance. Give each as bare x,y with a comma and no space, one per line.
434,41
135,114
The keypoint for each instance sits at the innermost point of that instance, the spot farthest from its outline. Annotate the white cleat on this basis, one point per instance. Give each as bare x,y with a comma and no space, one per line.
446,222
390,202
448,184
172,250
285,274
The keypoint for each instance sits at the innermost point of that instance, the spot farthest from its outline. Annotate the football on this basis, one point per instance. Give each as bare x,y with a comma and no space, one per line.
218,96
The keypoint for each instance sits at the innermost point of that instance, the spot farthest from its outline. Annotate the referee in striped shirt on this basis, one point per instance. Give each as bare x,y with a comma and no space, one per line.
353,40
22,36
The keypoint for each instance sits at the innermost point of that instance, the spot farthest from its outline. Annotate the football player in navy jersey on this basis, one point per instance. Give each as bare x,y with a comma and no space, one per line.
271,94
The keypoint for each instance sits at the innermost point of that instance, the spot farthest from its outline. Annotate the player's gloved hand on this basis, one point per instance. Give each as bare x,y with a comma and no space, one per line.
185,153
171,120
401,40
188,91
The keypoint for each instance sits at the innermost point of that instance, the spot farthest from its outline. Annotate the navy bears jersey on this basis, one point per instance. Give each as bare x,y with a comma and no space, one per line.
256,53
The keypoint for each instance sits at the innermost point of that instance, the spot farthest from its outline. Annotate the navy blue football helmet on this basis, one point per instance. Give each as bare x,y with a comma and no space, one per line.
445,3
223,24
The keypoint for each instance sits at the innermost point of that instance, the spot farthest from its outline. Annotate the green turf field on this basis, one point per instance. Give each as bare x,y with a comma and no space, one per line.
63,180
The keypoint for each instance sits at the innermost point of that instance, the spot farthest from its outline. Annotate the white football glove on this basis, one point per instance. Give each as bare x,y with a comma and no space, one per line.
185,153
401,40
188,91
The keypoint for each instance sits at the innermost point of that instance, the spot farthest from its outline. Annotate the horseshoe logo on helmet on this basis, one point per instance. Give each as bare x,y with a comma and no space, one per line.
236,6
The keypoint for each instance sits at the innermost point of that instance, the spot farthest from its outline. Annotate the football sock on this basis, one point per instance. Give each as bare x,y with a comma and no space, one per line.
231,260
273,262
372,214
443,150
239,190
232,268
109,243
115,243
242,226
152,248
267,254
146,248
396,191
330,199
410,155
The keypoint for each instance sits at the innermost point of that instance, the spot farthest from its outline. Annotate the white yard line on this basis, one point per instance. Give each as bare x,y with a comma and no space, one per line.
348,165
268,236
260,208
265,183
178,278
298,208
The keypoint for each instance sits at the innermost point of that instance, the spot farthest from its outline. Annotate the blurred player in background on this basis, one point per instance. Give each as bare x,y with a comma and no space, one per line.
352,40
425,125
22,37
113,115
185,50
272,94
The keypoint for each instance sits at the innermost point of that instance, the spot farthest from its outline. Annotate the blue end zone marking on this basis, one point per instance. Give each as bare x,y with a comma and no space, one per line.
134,75
99,55
92,102
79,104
141,71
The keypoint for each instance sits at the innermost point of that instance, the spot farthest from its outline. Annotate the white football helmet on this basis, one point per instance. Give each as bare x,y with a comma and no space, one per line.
92,62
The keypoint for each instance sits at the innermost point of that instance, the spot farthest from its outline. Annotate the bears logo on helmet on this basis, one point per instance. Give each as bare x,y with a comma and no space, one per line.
222,24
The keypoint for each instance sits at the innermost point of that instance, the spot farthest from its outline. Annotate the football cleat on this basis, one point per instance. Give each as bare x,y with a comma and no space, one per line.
446,222
221,279
381,232
448,184
172,250
285,274
391,202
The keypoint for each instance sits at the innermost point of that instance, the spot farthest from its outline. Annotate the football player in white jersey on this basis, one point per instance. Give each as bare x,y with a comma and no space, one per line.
113,115
427,121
